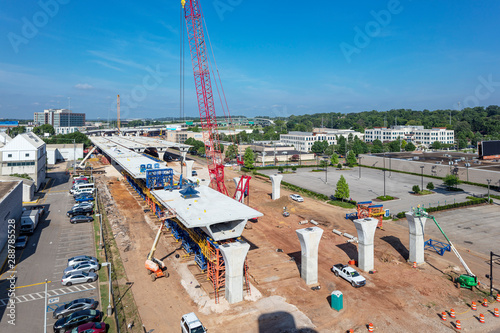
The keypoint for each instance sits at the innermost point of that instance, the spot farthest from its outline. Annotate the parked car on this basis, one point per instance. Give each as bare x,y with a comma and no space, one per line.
84,204
78,259
194,173
80,178
191,324
349,274
84,197
85,210
296,197
78,277
85,266
81,219
90,328
73,306
77,318
21,242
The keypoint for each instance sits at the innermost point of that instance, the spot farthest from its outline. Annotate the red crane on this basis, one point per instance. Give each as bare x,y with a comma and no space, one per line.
201,67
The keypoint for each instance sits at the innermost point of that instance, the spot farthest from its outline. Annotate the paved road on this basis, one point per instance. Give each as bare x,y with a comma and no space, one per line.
45,257
371,185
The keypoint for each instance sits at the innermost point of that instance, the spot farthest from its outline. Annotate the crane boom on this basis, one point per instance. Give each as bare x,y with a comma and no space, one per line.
467,269
204,94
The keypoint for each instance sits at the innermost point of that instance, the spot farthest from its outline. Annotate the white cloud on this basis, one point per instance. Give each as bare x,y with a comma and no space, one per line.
84,86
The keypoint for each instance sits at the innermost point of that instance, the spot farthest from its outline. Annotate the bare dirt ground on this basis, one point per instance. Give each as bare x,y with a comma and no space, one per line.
397,298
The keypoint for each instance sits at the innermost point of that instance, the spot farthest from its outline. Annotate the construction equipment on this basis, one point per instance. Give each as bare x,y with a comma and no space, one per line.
156,267
468,280
203,82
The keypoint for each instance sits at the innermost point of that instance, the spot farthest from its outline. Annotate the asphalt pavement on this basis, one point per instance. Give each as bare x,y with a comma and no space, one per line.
367,184
44,258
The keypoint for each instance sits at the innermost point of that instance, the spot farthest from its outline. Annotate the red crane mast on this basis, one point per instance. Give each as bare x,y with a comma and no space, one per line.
204,94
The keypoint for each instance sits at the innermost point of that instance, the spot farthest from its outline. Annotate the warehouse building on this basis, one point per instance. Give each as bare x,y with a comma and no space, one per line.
11,206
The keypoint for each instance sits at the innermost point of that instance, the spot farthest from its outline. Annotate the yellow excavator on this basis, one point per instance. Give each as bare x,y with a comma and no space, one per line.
156,268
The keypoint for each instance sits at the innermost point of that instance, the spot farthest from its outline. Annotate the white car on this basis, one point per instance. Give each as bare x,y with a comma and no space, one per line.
296,197
78,277
85,266
78,259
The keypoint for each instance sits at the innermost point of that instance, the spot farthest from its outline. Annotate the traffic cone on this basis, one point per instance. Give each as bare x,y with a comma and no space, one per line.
481,318
452,313
498,297
473,306
443,316
495,313
370,327
414,264
485,302
458,326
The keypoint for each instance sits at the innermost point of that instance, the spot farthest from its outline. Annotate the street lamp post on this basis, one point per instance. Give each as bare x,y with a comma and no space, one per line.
422,176
325,158
110,308
489,182
384,182
359,157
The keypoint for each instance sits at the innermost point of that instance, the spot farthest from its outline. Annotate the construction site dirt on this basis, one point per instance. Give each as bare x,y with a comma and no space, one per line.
396,298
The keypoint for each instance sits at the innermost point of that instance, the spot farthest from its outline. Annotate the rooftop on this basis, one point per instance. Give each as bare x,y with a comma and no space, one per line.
220,216
6,187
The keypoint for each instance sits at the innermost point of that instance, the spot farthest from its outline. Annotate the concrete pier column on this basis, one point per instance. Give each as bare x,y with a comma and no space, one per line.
189,169
416,224
276,183
366,233
309,243
234,258
236,181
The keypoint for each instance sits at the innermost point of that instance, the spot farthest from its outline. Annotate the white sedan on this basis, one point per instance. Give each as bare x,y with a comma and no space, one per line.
296,197
78,277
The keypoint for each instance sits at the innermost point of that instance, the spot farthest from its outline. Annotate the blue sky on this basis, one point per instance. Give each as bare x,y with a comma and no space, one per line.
275,58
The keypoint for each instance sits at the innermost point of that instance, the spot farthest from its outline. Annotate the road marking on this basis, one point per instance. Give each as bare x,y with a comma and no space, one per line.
51,293
53,300
31,285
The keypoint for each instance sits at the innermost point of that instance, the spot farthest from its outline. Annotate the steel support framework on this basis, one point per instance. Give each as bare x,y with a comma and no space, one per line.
243,188
204,94
194,241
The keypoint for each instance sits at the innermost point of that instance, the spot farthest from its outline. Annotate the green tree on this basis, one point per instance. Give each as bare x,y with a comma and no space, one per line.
281,169
248,158
200,150
319,147
13,132
330,150
451,180
351,158
416,189
342,191
341,145
430,186
377,147
231,152
436,145
334,159
404,144
410,147
45,128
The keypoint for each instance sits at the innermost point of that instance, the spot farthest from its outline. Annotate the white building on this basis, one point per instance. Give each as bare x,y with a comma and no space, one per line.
4,139
303,141
414,134
25,154
64,152
65,130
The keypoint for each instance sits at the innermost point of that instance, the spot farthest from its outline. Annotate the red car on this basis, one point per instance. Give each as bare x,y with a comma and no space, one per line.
80,178
89,328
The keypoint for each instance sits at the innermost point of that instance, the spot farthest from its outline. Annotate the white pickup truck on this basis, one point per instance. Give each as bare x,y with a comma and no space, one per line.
349,274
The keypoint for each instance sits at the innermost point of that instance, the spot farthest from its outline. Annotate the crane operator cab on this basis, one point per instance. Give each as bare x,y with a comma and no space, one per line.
191,324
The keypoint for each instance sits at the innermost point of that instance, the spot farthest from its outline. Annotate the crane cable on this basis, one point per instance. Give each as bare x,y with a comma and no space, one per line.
181,66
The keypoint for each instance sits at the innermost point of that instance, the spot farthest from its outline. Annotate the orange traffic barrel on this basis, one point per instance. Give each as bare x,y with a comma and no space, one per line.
481,318
458,326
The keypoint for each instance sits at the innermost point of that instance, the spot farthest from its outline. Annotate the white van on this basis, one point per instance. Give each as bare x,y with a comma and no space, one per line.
84,190
77,187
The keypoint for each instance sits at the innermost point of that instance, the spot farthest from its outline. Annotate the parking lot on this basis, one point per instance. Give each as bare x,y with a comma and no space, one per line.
371,185
44,258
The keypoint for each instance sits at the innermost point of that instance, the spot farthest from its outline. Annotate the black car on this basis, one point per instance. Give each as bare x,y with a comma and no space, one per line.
73,306
80,211
81,218
77,318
